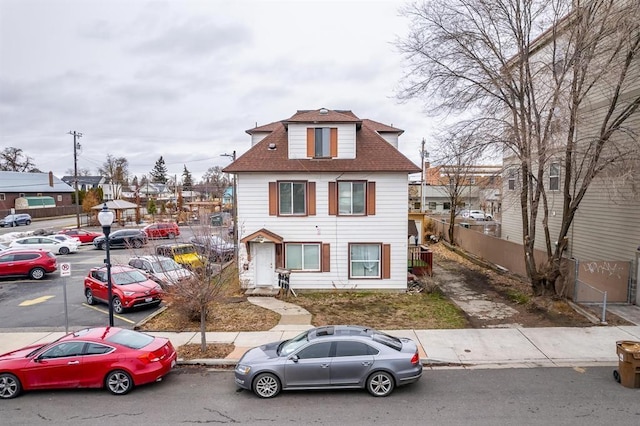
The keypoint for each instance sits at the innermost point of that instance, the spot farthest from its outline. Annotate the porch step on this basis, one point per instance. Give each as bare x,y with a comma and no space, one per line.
263,291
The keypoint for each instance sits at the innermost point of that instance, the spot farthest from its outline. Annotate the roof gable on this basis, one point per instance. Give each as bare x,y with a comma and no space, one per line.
373,152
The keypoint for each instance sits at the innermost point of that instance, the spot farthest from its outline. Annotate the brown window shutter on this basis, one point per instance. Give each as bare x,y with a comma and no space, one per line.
333,148
386,261
326,257
333,199
311,142
279,256
371,198
273,198
311,198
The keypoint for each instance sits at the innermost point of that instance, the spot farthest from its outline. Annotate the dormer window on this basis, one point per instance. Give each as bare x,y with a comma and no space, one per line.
322,142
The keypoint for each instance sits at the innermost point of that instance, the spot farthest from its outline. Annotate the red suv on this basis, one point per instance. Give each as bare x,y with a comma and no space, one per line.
162,230
22,262
130,288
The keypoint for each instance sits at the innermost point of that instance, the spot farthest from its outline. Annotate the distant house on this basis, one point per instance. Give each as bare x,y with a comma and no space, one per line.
85,182
322,198
17,190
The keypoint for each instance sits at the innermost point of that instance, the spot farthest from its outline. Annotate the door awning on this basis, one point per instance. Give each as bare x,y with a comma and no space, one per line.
262,236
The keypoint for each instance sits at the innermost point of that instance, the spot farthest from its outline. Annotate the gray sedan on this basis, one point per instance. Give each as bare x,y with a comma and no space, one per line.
336,357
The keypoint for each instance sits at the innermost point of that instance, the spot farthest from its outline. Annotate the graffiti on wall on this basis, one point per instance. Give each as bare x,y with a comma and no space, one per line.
610,269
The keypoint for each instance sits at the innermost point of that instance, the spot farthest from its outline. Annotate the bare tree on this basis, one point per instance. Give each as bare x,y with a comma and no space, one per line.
214,182
15,160
116,171
194,297
457,154
533,93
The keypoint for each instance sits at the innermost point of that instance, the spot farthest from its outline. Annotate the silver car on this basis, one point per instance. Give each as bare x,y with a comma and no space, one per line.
336,357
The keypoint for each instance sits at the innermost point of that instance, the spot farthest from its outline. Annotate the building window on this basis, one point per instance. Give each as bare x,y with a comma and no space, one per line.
322,142
512,180
292,198
352,198
432,205
60,198
21,195
302,257
2,197
364,260
554,176
446,205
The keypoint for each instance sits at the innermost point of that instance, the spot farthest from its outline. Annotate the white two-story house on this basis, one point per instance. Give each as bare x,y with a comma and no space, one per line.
323,195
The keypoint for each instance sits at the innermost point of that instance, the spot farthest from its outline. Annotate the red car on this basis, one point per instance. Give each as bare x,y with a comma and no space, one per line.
162,230
130,288
110,357
33,263
81,234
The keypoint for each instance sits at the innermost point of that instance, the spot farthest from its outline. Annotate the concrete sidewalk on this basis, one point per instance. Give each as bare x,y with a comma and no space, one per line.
466,348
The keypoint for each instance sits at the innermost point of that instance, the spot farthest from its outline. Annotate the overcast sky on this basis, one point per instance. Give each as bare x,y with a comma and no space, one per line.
184,78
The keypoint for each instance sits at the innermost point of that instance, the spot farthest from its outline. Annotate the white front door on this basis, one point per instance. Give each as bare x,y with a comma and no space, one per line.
264,255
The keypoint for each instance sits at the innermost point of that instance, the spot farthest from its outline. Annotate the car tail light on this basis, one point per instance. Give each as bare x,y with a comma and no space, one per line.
154,356
415,359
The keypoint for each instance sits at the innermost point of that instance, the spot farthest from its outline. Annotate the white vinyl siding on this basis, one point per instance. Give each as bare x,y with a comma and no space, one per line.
389,223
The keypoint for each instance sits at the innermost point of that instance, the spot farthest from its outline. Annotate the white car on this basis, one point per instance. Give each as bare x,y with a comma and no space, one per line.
163,270
476,215
45,243
64,237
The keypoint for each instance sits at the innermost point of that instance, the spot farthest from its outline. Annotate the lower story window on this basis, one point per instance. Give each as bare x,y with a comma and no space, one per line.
302,257
365,260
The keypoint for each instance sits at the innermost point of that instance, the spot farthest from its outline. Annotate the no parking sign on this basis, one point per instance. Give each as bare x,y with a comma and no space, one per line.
65,269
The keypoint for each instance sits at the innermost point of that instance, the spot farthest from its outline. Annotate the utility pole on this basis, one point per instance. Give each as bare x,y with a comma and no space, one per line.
234,211
76,145
423,156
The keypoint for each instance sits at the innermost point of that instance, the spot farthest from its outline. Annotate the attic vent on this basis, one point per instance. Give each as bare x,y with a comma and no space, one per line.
272,146
324,111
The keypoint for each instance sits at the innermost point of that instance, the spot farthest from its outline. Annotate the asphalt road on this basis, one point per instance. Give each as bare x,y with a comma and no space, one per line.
40,305
539,396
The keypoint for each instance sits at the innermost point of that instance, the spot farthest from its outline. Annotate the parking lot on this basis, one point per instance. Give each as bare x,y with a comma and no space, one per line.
42,304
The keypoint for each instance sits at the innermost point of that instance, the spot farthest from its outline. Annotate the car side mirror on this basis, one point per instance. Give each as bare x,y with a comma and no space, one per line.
294,358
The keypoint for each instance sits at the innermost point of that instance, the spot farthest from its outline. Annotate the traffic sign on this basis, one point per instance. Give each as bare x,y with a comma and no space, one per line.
65,269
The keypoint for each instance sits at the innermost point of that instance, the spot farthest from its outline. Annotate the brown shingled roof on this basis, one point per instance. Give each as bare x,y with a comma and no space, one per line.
373,153
265,128
379,127
323,115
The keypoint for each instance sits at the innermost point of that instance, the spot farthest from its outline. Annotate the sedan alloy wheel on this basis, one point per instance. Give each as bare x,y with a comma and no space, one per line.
266,385
380,383
9,386
119,382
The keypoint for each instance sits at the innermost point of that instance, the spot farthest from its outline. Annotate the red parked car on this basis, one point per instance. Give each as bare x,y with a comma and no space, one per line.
33,263
130,288
162,230
110,357
81,234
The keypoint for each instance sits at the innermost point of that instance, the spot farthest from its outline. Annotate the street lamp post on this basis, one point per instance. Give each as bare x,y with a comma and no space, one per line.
105,217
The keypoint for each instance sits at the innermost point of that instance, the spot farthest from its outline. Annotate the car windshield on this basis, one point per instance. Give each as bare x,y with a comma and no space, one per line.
128,277
288,346
131,339
165,265
184,250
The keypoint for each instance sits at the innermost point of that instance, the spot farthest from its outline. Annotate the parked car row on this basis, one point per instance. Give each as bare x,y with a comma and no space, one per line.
327,357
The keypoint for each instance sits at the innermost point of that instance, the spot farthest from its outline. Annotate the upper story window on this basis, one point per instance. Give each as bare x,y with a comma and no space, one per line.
322,142
554,176
351,198
292,198
2,197
512,180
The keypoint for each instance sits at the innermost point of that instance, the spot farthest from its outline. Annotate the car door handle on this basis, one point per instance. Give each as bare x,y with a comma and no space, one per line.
366,363
73,362
324,365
